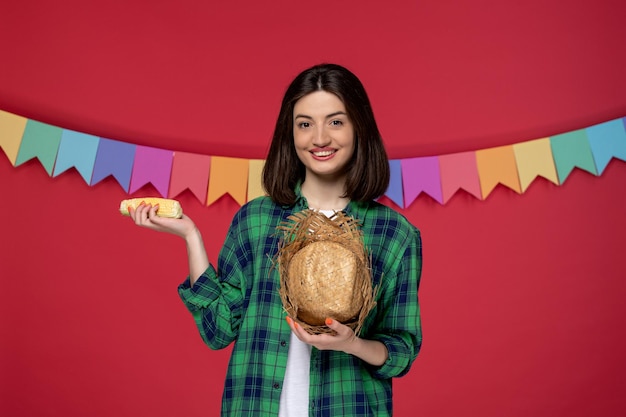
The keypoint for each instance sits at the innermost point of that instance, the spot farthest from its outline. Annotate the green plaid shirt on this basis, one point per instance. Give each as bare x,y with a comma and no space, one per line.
240,303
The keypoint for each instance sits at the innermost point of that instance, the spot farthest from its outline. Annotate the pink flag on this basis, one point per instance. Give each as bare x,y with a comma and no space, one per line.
190,171
458,170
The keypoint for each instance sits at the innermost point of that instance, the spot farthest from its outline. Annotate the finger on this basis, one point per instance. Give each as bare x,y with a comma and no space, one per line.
301,333
160,222
135,213
152,212
334,325
298,330
290,322
140,213
142,217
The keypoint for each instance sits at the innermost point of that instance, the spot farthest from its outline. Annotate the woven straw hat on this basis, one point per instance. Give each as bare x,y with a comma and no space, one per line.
324,271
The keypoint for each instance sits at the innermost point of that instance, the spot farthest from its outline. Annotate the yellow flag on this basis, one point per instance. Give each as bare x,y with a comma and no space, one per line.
11,131
255,187
535,158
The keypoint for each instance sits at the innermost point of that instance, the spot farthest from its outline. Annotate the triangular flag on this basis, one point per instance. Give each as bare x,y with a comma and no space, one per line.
607,140
152,165
459,170
77,150
497,165
534,158
114,158
190,171
255,180
571,150
228,175
40,141
421,175
394,190
11,130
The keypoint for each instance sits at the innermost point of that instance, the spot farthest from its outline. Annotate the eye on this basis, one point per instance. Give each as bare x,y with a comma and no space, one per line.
303,125
336,123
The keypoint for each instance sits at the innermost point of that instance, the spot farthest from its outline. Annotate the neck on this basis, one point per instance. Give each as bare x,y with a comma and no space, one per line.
325,195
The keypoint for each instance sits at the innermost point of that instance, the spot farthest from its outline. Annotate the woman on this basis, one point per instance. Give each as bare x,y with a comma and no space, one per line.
326,154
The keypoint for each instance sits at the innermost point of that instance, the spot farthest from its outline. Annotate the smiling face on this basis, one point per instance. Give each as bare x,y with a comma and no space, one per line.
323,135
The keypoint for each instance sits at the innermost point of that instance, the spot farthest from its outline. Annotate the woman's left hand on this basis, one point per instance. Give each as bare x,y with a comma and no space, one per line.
342,340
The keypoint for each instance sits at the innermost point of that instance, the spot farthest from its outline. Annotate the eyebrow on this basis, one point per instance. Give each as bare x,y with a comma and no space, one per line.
338,113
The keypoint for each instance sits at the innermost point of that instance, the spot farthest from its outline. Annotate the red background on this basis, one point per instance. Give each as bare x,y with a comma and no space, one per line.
522,295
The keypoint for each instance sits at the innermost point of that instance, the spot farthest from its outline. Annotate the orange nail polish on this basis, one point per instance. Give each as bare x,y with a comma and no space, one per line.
329,322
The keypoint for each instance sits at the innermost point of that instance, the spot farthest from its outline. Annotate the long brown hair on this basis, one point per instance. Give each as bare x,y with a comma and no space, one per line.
368,170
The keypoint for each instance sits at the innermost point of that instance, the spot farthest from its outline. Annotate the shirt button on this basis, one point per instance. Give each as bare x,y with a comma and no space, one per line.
276,386
283,343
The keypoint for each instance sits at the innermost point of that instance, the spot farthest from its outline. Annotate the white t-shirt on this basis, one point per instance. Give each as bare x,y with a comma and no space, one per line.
294,397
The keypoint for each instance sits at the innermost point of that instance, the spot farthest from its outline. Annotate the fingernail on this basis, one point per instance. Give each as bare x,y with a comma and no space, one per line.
329,322
288,319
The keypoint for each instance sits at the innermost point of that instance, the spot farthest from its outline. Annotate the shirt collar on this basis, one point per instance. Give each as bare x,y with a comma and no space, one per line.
354,209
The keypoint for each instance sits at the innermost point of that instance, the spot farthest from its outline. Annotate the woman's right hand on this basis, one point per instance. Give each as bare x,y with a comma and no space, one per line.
145,216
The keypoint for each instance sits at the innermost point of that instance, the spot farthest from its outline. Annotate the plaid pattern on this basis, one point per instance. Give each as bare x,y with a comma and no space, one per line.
240,303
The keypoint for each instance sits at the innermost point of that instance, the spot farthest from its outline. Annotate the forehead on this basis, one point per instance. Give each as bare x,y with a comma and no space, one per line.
318,103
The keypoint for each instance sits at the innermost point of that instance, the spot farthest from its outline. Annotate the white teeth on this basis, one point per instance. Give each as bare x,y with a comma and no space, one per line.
323,153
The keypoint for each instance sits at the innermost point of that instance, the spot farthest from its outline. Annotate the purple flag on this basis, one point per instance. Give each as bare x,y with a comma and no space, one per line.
114,158
394,191
154,166
421,175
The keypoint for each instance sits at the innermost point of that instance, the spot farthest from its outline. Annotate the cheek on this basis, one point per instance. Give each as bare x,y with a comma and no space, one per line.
297,139
299,146
352,148
349,141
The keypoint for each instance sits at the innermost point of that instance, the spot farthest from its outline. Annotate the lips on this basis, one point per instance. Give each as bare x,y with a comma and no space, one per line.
322,154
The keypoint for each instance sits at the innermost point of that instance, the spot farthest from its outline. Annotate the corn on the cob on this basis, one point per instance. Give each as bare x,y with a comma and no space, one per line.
167,207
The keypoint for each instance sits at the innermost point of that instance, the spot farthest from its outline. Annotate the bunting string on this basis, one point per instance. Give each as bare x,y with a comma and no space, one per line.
210,177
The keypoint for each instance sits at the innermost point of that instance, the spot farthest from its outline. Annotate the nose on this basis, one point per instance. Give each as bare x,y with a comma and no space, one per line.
321,138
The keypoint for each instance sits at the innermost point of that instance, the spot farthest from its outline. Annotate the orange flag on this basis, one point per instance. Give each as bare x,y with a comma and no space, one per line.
497,166
228,175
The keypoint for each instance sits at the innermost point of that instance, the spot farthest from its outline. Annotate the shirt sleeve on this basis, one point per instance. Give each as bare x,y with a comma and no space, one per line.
216,299
400,328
